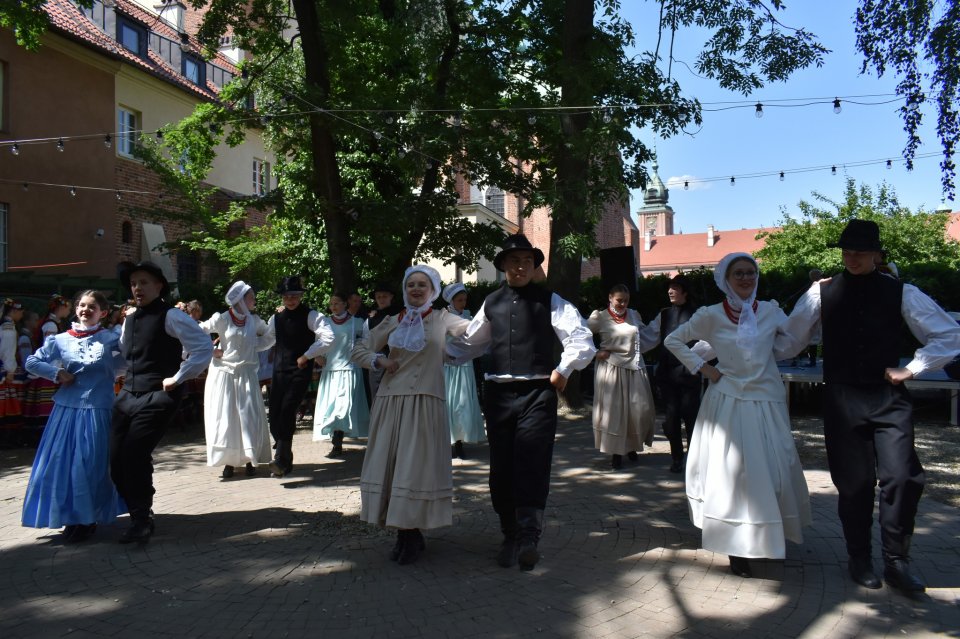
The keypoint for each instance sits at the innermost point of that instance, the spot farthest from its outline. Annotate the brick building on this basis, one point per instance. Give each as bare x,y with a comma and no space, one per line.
103,78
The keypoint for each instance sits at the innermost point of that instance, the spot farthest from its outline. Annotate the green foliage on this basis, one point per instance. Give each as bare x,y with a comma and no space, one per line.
910,239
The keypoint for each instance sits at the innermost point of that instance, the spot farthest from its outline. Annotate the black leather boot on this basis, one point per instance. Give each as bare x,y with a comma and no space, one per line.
616,462
740,567
413,545
282,463
896,568
141,527
337,440
530,525
398,547
861,571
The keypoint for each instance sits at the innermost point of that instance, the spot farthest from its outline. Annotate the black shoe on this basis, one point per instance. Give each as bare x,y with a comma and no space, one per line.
740,567
861,571
527,554
458,450
412,547
676,466
337,449
227,472
616,462
68,531
896,572
139,531
633,456
250,470
507,557
81,532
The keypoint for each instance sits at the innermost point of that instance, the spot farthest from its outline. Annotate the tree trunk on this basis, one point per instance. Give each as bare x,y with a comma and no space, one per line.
326,173
570,211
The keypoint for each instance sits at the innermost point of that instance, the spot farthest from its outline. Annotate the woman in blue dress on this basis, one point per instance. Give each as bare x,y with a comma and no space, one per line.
341,409
463,403
70,482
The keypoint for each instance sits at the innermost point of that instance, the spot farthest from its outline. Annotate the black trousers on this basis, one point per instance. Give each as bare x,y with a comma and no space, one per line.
521,426
139,423
680,402
286,392
869,438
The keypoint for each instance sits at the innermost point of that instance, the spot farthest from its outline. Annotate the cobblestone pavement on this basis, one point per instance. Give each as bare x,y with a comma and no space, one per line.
254,557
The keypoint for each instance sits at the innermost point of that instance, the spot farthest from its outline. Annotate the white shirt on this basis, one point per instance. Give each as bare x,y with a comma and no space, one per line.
196,344
323,334
930,324
568,325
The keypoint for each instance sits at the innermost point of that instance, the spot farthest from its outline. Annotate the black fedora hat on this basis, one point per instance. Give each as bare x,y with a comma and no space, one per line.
126,269
518,242
859,235
290,285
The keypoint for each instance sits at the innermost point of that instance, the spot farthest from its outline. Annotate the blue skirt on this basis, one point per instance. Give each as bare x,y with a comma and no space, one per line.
70,481
463,405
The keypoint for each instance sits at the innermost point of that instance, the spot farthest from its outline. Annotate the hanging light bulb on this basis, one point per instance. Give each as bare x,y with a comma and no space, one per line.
836,105
759,111
15,149
377,135
60,145
389,119
686,185
428,165
118,196
532,119
781,176
606,116
833,170
733,181
73,191
107,141
889,164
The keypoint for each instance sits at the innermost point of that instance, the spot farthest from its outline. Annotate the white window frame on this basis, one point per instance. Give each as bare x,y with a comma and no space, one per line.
261,176
129,123
492,192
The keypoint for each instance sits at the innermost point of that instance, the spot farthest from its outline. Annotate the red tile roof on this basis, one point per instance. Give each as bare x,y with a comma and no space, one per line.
953,226
67,19
689,250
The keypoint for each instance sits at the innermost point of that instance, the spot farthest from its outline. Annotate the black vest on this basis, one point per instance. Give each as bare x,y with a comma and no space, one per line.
862,325
294,337
523,336
669,368
151,354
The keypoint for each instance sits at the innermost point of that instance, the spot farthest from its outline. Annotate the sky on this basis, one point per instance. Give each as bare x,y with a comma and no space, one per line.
735,142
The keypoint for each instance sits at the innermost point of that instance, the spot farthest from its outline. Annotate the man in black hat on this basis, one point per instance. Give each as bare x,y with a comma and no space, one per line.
153,340
520,323
300,336
867,414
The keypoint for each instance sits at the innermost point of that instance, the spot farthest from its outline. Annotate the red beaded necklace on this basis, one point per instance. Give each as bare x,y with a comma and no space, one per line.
619,319
734,315
237,321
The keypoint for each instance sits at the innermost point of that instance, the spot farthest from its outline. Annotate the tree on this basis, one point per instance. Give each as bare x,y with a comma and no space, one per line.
910,239
900,36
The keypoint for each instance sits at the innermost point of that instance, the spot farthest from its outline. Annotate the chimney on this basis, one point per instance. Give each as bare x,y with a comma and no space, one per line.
172,11
648,240
711,235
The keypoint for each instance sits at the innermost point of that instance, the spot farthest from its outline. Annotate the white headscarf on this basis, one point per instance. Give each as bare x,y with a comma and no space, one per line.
234,297
409,332
747,326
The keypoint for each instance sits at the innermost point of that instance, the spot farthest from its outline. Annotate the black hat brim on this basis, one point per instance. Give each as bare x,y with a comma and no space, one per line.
126,269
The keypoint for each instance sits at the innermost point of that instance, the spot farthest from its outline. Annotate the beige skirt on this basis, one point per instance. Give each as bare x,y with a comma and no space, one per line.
406,481
623,411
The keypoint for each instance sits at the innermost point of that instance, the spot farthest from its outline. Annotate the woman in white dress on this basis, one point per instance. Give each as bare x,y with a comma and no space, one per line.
623,411
463,402
234,417
745,486
406,479
341,409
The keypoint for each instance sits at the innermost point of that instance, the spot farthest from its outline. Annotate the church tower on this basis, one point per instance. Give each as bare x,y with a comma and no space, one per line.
655,214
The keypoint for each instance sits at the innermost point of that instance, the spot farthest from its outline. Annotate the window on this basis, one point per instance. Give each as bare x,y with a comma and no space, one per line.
128,131
188,271
493,199
132,36
194,69
4,210
261,177
126,232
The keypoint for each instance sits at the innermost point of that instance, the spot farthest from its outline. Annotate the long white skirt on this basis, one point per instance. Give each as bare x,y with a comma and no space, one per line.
745,485
234,418
406,479
623,411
